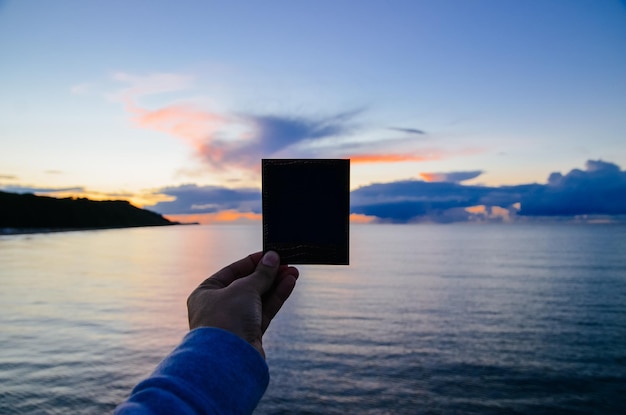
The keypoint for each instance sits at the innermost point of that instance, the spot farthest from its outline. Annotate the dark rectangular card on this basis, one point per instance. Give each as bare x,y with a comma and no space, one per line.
306,210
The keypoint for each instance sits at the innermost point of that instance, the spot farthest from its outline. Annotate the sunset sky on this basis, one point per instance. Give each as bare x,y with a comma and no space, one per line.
443,106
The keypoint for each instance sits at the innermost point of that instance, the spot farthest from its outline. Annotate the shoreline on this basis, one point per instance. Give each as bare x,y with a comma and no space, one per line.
30,231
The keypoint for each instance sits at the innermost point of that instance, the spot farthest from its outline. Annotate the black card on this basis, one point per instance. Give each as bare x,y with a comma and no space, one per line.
306,209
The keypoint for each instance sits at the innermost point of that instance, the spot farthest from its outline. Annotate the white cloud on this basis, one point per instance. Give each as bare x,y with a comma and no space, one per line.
84,88
157,83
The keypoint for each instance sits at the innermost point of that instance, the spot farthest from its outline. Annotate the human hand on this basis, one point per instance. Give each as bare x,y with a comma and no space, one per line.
243,297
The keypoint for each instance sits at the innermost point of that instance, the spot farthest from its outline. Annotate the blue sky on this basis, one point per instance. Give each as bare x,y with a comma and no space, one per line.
147,100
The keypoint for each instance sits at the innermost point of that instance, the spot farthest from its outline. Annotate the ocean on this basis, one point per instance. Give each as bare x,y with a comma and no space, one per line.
427,319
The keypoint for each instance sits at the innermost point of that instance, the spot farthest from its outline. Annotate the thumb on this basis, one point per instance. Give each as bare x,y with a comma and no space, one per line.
267,268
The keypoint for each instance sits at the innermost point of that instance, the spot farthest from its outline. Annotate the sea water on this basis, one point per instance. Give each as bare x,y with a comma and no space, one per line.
427,319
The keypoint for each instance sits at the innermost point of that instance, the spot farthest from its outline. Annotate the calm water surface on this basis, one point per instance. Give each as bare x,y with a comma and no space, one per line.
427,319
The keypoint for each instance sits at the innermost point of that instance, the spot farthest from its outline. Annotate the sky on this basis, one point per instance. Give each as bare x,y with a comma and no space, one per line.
450,110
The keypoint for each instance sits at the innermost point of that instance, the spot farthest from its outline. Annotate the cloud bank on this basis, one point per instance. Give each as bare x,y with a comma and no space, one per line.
600,189
223,140
420,201
193,199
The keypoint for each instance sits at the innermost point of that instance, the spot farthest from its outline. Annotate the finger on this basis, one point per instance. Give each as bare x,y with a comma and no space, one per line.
225,276
263,277
276,297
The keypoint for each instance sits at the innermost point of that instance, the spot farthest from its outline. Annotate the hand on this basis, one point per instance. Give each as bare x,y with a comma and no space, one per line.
243,297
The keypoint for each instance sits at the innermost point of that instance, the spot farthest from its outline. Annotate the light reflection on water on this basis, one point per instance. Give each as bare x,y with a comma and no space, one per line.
87,314
427,319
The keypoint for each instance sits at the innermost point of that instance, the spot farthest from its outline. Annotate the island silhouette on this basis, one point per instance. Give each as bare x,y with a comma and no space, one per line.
23,213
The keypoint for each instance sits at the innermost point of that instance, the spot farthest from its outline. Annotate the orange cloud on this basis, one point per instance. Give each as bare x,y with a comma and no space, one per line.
389,158
359,218
224,216
429,177
429,154
478,209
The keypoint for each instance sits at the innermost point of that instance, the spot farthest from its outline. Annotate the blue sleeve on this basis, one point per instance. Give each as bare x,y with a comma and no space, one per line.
211,372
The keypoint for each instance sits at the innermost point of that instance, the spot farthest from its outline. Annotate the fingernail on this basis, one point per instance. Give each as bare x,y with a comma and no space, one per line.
270,259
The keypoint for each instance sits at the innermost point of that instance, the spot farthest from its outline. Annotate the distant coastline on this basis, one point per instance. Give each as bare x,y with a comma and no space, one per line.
28,213
28,231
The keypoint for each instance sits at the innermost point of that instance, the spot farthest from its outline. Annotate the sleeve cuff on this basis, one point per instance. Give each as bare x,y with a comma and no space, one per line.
211,371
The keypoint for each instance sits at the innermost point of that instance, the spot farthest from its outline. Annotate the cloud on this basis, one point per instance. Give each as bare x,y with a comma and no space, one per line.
415,200
193,199
8,177
272,136
395,202
453,177
192,125
152,84
599,189
408,130
390,158
276,133
222,140
180,120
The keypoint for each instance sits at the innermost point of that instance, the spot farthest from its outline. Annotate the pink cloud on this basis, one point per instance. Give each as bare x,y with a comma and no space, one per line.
224,141
192,125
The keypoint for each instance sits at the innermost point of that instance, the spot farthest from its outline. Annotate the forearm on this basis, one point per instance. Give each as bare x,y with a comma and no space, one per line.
211,371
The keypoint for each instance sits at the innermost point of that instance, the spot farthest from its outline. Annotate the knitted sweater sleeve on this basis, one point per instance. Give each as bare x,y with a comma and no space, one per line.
211,372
